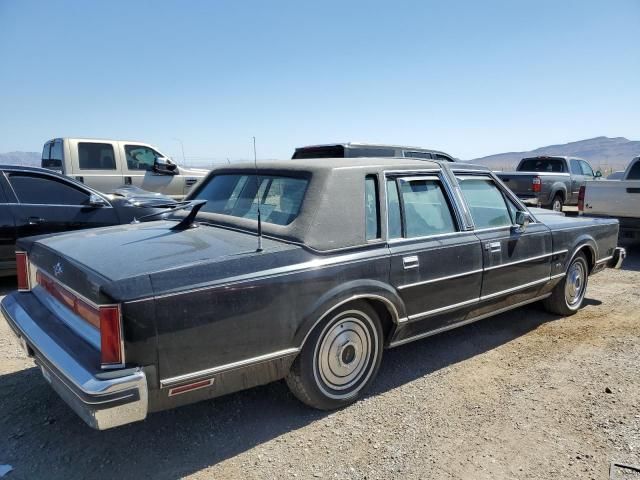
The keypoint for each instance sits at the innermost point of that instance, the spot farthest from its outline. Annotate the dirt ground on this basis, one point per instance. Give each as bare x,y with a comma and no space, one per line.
525,395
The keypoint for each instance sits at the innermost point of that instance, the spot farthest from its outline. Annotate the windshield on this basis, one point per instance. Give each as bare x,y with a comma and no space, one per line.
541,165
238,195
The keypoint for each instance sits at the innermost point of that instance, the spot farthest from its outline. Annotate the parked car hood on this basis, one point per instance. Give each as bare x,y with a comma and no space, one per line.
127,256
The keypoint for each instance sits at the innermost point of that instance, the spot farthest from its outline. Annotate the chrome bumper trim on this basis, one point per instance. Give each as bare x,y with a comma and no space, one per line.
617,259
103,400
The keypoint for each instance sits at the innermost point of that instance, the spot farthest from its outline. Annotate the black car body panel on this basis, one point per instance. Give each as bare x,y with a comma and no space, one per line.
206,305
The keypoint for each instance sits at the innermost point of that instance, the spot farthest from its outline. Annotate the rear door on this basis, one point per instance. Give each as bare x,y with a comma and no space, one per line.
96,164
7,230
435,266
49,204
516,263
577,179
139,171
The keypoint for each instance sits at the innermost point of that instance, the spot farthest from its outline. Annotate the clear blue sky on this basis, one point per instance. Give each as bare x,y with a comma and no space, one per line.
469,77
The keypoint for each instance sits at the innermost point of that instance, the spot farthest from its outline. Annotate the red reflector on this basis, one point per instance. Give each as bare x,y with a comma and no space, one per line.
581,199
22,270
190,387
110,336
536,184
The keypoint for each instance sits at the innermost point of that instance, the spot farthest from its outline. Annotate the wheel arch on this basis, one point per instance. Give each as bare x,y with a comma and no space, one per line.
380,296
586,245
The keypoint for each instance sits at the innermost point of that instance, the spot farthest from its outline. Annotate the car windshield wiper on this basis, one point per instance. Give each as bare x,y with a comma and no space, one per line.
186,222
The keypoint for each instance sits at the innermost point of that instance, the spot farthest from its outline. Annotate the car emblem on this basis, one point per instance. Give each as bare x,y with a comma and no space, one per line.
57,269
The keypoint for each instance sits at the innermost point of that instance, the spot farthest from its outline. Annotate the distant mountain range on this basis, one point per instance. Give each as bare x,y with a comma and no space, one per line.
604,153
20,158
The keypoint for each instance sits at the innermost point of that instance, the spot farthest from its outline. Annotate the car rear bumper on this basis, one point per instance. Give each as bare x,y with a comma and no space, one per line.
102,399
618,258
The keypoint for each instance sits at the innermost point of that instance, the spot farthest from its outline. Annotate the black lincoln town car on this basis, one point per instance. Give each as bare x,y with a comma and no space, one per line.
356,255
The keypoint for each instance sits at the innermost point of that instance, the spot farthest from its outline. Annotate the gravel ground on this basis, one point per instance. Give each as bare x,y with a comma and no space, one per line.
525,395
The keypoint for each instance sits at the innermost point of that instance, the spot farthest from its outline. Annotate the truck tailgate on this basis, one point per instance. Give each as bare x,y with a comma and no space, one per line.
519,183
614,198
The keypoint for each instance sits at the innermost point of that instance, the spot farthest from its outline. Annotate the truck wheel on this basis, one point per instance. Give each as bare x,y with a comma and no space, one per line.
568,295
339,359
557,203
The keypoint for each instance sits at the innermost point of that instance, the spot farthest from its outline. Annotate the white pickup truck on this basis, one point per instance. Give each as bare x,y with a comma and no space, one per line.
617,199
108,164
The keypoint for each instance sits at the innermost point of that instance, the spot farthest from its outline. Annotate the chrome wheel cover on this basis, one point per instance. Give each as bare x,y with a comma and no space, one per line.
557,206
345,354
575,284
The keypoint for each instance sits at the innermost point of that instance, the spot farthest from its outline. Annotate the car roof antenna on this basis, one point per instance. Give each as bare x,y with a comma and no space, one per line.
255,163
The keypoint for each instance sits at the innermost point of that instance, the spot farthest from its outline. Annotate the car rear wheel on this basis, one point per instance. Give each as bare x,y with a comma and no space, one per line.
557,203
568,295
339,359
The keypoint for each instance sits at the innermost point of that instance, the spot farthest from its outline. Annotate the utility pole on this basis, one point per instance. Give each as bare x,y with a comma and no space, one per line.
182,149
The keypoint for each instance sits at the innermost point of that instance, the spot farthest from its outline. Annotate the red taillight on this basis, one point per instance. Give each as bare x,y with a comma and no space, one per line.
536,184
22,270
105,318
110,336
581,199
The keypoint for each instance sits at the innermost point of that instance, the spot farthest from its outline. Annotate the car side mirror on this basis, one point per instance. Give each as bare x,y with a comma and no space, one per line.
97,201
523,219
598,174
164,165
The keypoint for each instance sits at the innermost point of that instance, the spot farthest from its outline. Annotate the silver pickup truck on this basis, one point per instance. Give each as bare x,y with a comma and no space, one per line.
549,182
108,164
616,199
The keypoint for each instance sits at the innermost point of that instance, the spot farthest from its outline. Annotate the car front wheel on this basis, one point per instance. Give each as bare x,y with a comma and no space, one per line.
339,359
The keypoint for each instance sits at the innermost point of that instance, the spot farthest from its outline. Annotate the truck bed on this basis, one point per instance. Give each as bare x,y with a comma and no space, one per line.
613,198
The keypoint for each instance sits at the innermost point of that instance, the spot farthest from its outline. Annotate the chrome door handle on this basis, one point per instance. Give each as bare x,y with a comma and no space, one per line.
410,262
35,220
493,246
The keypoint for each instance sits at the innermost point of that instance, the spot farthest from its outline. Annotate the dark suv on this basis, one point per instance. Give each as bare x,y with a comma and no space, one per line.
351,150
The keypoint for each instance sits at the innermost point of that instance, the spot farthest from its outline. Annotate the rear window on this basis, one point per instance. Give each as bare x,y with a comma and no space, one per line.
96,156
331,151
238,195
541,165
52,156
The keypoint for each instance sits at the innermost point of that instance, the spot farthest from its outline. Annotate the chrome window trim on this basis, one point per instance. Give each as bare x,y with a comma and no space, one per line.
203,374
440,279
61,178
413,175
395,241
466,321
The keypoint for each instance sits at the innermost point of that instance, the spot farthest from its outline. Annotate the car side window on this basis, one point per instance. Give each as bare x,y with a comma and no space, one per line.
425,206
140,157
44,190
576,169
487,203
422,155
634,173
393,209
96,156
372,212
586,169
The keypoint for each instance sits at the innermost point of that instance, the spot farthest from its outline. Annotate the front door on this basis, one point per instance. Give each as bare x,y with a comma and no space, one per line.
436,267
516,263
139,172
48,204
